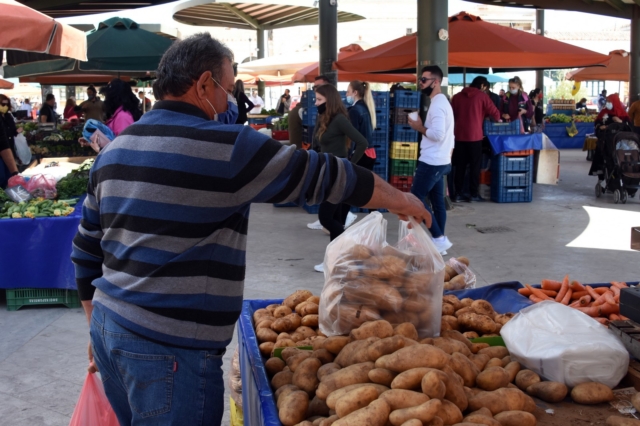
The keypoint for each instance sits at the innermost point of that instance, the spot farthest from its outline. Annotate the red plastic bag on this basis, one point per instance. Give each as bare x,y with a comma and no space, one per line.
42,186
16,180
93,407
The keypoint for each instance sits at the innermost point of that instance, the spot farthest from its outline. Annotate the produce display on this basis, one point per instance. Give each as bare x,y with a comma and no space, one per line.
564,118
382,374
602,303
37,207
61,142
75,183
271,112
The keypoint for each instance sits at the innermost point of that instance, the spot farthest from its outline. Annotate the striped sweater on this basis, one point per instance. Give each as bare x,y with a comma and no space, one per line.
161,245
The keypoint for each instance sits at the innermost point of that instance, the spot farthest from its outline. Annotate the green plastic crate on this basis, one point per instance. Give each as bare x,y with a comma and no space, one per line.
402,167
19,297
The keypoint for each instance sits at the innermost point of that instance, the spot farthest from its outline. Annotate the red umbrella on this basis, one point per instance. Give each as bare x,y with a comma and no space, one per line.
476,44
310,72
617,70
4,84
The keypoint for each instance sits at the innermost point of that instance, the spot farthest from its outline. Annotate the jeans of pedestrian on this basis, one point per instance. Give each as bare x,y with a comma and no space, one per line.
428,181
330,216
467,154
151,384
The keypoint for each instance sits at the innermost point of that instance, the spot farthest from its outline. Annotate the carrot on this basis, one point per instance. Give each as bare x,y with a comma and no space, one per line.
608,309
535,299
614,317
575,304
592,292
584,300
619,284
608,297
601,299
549,293
579,294
593,311
567,297
536,292
524,291
601,290
602,321
563,289
551,285
576,286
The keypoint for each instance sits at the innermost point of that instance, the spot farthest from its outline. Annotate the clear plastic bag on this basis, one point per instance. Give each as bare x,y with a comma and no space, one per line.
564,345
18,194
42,186
22,149
368,279
93,407
467,280
235,378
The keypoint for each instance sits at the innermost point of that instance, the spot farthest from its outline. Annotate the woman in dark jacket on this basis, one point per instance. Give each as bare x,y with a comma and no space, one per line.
516,105
8,123
244,104
8,131
537,124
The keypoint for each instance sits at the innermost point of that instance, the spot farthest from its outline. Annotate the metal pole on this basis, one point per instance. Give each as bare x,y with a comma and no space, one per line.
634,56
540,32
262,49
464,77
433,40
328,23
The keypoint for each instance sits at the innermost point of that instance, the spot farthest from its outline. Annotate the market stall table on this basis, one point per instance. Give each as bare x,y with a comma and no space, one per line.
557,132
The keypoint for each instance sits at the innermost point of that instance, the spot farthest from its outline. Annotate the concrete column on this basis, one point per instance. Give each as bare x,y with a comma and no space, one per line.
540,32
432,49
328,23
262,51
634,56
71,92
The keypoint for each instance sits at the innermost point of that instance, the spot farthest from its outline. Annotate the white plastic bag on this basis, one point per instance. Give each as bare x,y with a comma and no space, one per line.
22,149
367,279
564,345
464,271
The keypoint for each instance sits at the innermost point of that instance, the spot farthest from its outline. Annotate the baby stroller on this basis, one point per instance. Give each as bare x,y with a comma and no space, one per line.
621,165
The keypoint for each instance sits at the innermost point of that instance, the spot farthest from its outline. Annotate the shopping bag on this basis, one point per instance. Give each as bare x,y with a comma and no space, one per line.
22,149
368,279
467,278
42,186
93,407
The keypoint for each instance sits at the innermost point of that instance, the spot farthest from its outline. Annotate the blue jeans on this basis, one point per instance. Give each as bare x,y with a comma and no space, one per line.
428,181
151,384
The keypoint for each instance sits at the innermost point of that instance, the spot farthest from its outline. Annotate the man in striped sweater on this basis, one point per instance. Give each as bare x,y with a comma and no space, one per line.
160,251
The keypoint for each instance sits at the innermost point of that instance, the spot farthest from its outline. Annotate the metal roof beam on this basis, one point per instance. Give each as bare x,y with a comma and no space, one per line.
616,4
248,19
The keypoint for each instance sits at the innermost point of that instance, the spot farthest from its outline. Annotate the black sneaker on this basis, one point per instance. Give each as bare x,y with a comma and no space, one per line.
477,199
459,199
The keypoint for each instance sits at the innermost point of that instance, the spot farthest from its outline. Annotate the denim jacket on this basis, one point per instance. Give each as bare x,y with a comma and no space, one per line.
361,119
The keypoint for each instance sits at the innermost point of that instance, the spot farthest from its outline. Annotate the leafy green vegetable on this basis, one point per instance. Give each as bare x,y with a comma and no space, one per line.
75,183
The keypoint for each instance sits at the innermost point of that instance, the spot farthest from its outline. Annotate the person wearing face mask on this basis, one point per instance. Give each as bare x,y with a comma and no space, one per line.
537,122
516,105
613,112
436,147
334,134
160,253
8,132
92,108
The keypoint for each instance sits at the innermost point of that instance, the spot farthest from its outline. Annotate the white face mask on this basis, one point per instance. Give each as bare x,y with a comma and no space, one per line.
609,105
513,91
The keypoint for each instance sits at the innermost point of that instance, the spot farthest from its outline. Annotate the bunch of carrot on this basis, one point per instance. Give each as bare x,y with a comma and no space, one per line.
602,303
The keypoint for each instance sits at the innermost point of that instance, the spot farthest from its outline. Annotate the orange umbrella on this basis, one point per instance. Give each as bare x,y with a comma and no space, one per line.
4,84
477,45
310,72
617,70
27,30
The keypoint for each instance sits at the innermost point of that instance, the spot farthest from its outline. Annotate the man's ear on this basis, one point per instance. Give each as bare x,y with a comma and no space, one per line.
204,79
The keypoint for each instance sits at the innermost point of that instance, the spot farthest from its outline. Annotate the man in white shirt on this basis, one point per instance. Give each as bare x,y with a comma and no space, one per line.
26,106
257,101
435,153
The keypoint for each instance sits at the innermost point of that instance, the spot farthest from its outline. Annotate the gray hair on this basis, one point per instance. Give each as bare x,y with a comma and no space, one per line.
186,60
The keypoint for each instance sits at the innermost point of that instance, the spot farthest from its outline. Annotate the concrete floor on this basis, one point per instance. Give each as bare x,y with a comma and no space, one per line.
43,350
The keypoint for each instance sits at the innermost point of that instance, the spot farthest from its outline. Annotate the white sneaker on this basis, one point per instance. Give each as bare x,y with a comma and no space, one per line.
442,245
350,219
443,253
315,225
319,268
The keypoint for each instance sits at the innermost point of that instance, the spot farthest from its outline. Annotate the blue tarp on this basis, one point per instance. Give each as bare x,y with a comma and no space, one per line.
509,143
36,253
557,132
503,296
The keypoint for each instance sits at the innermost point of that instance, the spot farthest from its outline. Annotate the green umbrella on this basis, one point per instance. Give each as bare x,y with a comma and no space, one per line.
117,46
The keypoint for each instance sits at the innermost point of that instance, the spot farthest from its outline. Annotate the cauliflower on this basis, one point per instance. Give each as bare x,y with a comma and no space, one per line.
30,215
57,212
16,215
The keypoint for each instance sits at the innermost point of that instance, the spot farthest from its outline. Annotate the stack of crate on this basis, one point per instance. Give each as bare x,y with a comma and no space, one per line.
404,140
380,137
309,114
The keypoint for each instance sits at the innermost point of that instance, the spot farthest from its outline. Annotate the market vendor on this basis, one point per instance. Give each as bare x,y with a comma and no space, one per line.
48,112
160,252
92,107
8,123
8,167
613,112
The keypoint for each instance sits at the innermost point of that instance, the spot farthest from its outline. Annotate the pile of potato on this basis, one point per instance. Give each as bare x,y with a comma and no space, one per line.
384,375
366,284
473,318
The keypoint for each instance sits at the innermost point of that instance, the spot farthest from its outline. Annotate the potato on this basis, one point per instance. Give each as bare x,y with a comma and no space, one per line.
451,321
475,322
465,368
310,320
502,319
282,312
492,378
372,292
406,329
479,360
412,422
289,352
294,408
355,352
424,412
327,369
314,299
481,420
385,346
282,392
285,343
529,404
506,360
410,379
266,348
380,329
451,346
591,393
336,395
445,326
464,260
271,308
635,400
329,420
355,400
305,423
503,399
296,320
450,271
375,414
299,307
265,322
402,398
493,362
357,373
448,309
323,355
317,407
282,324
382,376
426,341
305,376
477,347
306,331
259,313
470,335
482,307
334,344
318,343
409,342
458,282
622,421
449,413
361,252
437,421
309,308
548,391
455,389
516,418
294,361
433,384
512,368
266,335
452,300
526,378
495,351
296,298
412,357
274,365
482,412
282,378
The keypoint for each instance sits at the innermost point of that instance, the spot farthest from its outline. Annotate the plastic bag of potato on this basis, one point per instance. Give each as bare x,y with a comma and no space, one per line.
459,274
367,279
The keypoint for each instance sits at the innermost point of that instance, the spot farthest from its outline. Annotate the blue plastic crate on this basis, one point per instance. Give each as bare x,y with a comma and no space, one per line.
503,163
380,137
381,99
308,97
510,128
503,194
311,209
382,119
404,133
511,179
257,120
405,99
309,116
382,154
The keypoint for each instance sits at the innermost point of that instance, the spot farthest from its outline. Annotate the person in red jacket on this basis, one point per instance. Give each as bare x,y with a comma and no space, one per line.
470,108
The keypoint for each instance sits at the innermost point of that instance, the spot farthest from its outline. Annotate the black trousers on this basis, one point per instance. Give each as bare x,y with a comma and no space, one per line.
330,216
367,163
467,154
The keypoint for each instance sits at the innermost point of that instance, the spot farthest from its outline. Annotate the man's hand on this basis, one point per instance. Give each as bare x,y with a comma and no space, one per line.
417,125
414,208
506,116
93,368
